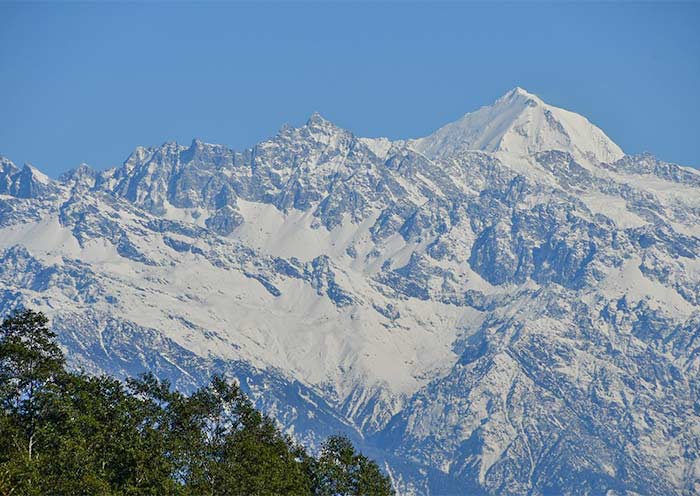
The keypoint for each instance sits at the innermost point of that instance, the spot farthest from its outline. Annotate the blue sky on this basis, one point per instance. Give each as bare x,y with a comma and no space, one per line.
89,82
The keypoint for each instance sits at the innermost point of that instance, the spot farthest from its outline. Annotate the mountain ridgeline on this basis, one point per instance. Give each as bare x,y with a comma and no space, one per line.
510,305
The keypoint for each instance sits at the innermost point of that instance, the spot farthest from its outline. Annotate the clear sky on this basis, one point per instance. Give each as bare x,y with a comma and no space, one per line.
89,82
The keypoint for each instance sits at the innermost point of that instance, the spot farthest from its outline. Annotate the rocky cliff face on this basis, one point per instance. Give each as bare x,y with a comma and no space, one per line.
508,306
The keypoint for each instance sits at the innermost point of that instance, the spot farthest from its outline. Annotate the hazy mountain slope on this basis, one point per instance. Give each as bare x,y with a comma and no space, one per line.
507,306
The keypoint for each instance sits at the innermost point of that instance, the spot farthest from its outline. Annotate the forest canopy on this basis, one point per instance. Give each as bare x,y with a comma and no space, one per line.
68,433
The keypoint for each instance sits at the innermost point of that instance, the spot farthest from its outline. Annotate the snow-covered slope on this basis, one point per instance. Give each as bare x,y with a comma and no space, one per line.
508,306
520,123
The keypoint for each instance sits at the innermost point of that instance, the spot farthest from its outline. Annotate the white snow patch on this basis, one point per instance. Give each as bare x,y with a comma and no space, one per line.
613,207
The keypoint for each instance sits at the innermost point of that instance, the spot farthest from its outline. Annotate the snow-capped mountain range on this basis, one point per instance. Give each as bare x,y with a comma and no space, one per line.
510,305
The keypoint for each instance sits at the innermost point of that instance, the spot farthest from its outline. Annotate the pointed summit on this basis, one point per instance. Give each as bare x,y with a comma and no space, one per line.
7,170
27,182
321,129
7,166
522,91
316,119
519,92
35,174
82,175
520,123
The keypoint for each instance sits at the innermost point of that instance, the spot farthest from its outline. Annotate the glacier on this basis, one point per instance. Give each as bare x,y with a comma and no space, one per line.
510,305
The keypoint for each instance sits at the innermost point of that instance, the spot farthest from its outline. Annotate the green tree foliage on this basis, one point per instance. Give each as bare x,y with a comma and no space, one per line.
67,433
30,362
342,471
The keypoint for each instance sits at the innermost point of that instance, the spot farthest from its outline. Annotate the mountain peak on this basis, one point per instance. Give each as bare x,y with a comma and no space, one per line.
321,129
316,119
519,92
520,123
82,174
35,173
7,165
